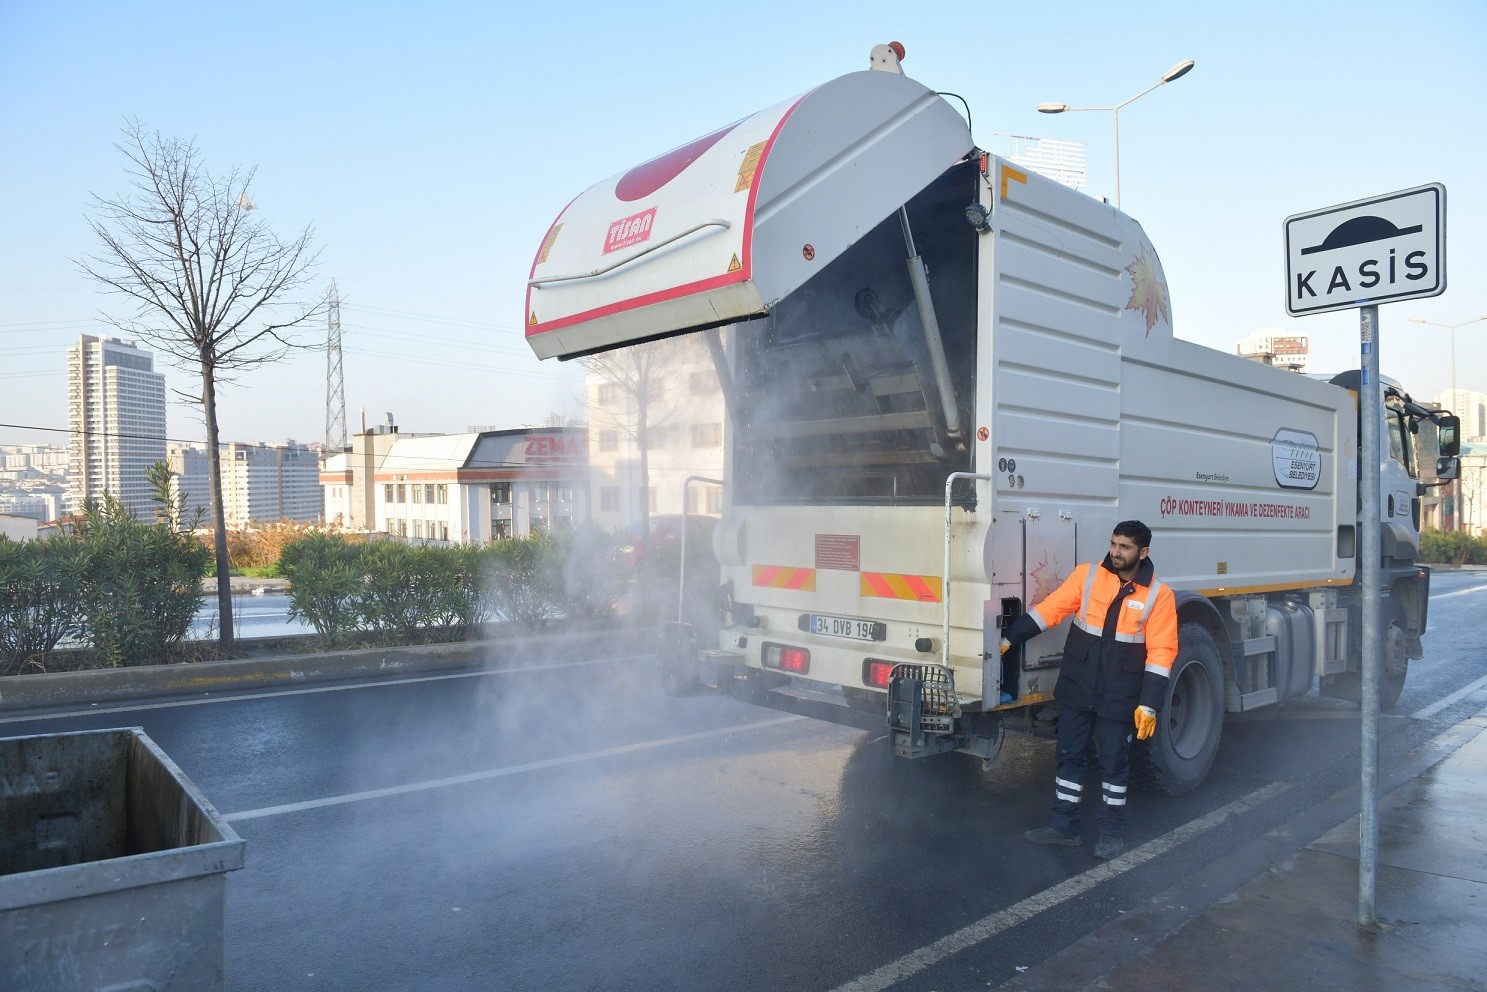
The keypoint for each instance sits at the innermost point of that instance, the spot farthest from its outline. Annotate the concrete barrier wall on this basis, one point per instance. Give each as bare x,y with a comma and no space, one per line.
19,692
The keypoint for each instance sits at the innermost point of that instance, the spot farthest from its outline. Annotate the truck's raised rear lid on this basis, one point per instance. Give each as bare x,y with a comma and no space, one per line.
722,228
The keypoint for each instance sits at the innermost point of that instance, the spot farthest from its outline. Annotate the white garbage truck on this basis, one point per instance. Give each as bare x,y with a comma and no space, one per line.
947,377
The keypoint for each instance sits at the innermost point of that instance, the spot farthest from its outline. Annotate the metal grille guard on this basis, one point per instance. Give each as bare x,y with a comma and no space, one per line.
922,700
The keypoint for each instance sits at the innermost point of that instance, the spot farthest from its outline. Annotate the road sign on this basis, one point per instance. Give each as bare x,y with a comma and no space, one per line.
1380,250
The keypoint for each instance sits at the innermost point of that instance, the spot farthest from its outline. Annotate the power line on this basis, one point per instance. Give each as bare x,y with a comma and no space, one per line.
457,321
128,437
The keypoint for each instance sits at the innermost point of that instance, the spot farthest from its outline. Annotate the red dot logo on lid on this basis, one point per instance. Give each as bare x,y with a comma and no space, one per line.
645,179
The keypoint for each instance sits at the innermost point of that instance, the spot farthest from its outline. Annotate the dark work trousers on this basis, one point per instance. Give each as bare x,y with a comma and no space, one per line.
1113,741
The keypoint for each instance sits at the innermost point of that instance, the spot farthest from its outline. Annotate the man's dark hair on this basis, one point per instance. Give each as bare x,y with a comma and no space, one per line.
1136,531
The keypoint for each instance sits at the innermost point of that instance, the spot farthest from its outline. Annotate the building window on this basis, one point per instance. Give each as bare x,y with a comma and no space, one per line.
387,493
418,528
500,529
501,493
443,532
418,494
402,491
609,440
442,492
707,435
608,394
609,499
428,493
714,499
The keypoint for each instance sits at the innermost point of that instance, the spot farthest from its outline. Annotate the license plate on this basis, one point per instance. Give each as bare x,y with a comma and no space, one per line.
857,630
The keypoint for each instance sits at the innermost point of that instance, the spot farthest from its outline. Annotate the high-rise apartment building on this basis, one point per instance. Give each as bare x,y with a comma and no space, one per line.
1471,407
261,483
1287,351
189,484
116,415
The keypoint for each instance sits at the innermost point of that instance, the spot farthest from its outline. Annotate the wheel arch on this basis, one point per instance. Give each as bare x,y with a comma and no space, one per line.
1196,608
1411,598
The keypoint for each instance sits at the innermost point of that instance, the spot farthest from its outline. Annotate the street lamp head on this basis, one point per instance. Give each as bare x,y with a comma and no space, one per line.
1451,327
1178,71
1052,108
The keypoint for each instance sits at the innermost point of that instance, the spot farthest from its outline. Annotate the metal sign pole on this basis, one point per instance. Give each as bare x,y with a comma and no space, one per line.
1323,248
1371,408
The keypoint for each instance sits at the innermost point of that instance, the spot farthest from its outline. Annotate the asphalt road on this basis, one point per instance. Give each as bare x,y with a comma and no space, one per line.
564,825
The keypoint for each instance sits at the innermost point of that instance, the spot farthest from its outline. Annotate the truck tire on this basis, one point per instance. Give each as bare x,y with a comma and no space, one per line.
1396,654
676,660
1191,722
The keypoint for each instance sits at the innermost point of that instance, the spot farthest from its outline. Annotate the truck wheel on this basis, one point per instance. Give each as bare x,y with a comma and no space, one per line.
1396,654
1189,726
676,660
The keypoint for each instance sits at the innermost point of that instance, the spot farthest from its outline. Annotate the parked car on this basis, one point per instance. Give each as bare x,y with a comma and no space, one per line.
652,564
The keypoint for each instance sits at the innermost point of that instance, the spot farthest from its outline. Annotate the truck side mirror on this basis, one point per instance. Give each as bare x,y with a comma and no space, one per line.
1448,430
1447,469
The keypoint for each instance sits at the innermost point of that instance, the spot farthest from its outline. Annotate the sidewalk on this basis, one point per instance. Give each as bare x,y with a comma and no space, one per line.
1294,926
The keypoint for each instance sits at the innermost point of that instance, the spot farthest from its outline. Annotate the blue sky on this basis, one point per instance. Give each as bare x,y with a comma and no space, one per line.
431,145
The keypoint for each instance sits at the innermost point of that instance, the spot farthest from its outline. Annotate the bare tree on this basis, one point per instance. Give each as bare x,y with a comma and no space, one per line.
213,289
640,375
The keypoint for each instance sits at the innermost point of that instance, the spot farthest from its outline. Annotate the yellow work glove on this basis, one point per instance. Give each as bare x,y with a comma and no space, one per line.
1146,722
1006,645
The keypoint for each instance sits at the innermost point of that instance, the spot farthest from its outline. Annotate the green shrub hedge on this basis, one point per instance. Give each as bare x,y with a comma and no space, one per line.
408,592
125,589
1452,548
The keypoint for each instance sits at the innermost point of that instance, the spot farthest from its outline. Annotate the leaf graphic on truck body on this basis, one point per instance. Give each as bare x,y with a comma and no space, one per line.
1148,289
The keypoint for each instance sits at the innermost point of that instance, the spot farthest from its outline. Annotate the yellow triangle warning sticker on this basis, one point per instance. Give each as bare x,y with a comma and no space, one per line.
733,263
533,320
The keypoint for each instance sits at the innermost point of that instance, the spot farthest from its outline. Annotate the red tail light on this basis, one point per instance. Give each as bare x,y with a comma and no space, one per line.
876,673
797,660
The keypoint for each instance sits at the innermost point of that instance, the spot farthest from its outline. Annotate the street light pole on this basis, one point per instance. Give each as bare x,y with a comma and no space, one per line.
1455,486
1176,72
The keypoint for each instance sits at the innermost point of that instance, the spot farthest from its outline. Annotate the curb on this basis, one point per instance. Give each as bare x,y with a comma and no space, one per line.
55,689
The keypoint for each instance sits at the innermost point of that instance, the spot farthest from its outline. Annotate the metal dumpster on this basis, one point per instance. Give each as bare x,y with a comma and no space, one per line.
112,867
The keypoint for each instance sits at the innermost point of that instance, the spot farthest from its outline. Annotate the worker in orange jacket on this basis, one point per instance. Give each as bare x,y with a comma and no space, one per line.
1115,668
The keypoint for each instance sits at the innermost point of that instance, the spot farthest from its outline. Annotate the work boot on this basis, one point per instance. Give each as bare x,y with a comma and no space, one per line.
1109,846
1052,835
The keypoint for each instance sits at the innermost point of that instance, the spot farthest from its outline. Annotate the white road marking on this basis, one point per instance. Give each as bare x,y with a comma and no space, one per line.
491,773
1458,592
1454,697
228,696
925,957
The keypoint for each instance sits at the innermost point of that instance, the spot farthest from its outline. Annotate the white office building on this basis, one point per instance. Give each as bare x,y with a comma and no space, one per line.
116,415
683,431
458,488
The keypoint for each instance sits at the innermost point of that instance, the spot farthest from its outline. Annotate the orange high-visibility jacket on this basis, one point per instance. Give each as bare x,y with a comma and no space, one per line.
1110,664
